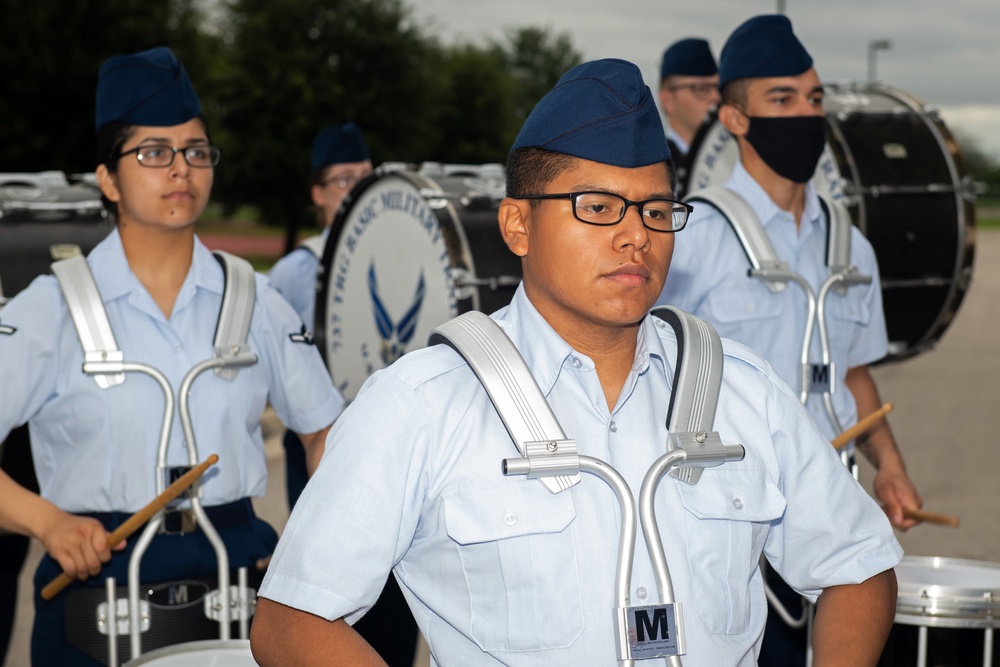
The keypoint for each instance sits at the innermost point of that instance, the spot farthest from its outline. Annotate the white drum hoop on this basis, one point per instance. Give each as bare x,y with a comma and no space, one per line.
919,304
400,261
948,592
208,653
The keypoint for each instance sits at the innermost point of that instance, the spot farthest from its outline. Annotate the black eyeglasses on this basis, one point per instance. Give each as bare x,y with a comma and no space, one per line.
699,90
605,208
159,156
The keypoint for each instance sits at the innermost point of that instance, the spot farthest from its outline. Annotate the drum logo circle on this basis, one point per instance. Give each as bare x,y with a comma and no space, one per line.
389,282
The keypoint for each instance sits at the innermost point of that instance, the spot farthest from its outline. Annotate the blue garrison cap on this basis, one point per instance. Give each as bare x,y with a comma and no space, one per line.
338,143
763,46
147,88
600,111
690,57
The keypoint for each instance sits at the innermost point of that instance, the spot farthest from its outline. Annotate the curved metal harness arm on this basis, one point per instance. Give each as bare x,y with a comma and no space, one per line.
104,361
549,456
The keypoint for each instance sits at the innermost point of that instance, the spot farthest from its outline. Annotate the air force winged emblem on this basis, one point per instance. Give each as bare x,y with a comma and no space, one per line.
395,337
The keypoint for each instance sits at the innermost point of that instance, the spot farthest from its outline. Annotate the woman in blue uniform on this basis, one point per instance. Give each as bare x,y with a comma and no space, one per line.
95,447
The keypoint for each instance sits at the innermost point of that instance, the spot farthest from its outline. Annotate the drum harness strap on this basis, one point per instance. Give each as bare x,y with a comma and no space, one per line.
776,274
765,265
104,361
550,457
315,245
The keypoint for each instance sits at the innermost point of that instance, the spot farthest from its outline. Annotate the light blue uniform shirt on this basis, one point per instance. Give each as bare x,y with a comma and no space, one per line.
499,571
95,449
708,278
679,142
294,276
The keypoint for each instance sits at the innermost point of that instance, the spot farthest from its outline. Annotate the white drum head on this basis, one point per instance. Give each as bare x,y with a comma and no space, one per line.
389,279
210,653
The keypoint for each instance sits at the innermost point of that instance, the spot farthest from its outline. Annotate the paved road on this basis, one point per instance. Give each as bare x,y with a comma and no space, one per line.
945,418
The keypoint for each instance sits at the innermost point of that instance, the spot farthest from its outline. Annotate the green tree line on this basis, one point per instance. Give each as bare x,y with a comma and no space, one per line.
270,73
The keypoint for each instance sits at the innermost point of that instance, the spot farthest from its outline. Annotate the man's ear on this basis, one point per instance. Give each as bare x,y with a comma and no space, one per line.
318,195
514,216
666,100
734,120
108,183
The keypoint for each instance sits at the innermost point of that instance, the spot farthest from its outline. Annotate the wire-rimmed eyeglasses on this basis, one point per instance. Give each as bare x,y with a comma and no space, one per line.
344,181
605,208
159,156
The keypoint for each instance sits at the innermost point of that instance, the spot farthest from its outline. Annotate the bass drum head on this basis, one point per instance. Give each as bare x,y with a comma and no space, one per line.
893,163
400,260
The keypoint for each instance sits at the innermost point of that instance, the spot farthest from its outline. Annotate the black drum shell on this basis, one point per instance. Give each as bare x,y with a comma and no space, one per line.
170,624
60,213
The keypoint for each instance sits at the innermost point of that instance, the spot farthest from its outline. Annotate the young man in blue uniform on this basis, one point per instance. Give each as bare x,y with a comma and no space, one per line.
497,569
95,445
339,160
689,89
772,103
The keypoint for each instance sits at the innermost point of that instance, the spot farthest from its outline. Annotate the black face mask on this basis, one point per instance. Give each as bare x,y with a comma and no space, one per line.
790,145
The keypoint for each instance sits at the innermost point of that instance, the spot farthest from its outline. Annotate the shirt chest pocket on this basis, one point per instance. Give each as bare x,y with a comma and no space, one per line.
728,514
515,542
738,311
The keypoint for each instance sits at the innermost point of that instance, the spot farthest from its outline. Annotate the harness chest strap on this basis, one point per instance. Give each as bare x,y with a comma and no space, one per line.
98,340
534,428
516,396
756,243
315,245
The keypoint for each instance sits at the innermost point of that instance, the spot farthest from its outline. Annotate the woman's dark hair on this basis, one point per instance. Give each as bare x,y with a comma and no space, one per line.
530,170
110,139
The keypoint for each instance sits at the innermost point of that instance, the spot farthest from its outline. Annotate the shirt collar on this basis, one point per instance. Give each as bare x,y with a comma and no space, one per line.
682,145
546,352
767,211
115,279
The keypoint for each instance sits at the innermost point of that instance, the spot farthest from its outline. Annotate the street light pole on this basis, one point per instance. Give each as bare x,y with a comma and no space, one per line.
874,46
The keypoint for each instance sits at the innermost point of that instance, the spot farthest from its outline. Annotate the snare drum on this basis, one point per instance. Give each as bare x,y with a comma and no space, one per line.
212,653
946,610
892,161
408,251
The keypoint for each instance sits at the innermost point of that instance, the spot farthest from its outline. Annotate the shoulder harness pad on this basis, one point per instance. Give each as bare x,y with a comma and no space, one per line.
530,422
315,245
754,239
90,318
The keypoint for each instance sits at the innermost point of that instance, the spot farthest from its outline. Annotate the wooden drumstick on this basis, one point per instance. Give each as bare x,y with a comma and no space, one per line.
862,426
136,521
930,517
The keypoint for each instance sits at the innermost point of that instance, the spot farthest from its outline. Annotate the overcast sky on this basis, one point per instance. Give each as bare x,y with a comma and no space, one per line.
945,52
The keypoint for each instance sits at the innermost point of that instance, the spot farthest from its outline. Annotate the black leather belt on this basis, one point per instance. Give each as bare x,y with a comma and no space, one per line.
229,515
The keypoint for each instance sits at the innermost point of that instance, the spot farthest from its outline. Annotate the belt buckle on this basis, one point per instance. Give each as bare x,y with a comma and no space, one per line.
178,522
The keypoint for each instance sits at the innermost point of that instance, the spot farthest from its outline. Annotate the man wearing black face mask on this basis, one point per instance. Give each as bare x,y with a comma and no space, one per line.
772,104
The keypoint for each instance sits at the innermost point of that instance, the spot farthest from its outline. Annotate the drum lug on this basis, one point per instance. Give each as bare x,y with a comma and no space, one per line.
122,617
213,609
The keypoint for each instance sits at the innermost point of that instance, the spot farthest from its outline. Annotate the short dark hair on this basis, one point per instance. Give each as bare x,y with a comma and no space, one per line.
735,93
110,139
531,169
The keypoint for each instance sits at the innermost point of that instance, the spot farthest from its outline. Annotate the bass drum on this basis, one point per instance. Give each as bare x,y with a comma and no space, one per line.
409,249
895,165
